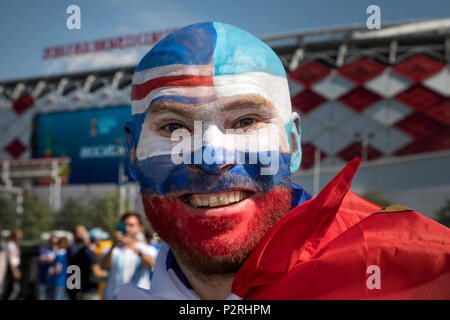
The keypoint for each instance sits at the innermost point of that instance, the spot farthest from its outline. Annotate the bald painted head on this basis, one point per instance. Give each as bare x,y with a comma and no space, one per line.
213,143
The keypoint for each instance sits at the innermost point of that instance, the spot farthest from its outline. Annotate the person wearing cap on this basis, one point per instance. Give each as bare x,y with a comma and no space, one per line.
100,243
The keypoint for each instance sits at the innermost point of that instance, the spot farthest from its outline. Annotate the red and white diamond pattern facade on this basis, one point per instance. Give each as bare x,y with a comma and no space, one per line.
21,104
385,110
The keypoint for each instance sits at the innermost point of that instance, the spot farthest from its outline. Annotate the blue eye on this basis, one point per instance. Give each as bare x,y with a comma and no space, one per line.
245,122
171,127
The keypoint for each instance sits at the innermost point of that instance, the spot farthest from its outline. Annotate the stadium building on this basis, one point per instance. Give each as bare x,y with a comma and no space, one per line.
383,95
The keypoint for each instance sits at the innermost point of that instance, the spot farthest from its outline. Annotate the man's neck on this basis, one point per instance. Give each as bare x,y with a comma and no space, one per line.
217,287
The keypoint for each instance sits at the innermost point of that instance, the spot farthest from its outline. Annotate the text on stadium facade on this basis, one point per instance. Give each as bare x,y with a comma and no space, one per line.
121,42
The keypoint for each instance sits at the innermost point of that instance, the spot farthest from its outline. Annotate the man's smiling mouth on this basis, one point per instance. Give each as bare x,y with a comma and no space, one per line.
211,200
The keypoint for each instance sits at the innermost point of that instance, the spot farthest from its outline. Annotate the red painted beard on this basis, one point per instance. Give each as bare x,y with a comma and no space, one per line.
216,240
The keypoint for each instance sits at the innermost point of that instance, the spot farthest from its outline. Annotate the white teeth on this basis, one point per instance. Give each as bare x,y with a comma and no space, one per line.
216,199
213,201
223,199
197,201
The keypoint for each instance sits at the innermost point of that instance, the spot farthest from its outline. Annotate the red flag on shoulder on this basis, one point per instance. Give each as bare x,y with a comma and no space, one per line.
341,246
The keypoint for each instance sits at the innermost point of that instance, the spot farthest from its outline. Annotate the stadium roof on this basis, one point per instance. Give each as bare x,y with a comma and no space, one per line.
285,44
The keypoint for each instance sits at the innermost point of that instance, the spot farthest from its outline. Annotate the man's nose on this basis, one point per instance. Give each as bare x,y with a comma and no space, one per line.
212,169
213,158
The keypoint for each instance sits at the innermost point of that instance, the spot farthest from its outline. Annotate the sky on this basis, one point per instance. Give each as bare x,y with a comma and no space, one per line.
27,26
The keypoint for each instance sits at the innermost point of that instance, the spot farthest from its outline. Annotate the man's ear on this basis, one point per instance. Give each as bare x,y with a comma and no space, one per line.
131,147
293,132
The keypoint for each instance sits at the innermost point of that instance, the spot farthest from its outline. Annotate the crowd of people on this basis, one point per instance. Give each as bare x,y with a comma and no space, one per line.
90,267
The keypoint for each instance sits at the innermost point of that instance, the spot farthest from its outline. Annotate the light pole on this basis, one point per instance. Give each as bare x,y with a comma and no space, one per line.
121,177
364,139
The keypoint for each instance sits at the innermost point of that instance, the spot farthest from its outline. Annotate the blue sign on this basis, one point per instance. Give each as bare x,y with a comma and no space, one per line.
93,139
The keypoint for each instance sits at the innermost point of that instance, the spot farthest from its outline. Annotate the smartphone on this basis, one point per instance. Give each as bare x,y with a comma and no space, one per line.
122,228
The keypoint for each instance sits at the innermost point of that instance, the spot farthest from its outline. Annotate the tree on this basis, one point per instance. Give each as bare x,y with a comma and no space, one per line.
9,219
72,214
37,217
377,197
443,214
103,212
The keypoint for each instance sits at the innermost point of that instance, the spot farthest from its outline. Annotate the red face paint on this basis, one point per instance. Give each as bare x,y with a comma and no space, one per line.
216,240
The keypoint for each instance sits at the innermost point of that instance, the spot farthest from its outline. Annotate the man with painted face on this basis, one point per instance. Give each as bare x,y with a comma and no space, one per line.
213,143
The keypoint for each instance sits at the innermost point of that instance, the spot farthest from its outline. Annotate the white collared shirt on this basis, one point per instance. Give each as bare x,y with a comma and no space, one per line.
165,285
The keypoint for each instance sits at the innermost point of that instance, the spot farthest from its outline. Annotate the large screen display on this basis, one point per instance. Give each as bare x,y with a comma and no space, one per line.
93,139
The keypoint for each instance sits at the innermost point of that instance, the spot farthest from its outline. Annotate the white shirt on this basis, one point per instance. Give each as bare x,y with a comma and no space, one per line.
13,253
125,260
165,285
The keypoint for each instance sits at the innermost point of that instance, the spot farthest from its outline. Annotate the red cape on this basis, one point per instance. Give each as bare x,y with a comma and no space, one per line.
330,247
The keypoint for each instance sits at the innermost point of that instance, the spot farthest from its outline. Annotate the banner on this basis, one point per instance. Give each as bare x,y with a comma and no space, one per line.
93,139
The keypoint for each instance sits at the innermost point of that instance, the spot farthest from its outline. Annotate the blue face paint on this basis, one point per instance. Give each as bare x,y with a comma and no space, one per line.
159,175
184,99
192,45
292,129
222,51
238,52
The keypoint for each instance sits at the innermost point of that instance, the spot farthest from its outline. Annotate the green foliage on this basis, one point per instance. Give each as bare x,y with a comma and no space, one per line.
8,216
36,218
103,212
72,214
443,214
377,197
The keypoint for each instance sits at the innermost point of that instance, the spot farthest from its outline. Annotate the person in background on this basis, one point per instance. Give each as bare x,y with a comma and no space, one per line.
3,261
13,274
99,240
79,234
79,239
129,259
58,273
45,259
99,243
152,240
82,255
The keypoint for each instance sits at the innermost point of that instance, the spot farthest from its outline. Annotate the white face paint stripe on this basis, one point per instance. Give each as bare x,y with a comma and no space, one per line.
261,140
140,106
172,70
273,88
